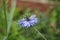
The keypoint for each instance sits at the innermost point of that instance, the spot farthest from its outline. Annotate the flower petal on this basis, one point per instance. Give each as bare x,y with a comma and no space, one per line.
32,17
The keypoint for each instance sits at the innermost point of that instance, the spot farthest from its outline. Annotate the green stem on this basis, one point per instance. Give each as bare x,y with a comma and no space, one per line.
5,14
40,33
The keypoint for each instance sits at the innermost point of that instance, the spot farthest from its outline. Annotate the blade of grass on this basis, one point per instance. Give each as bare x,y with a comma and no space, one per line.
8,19
4,9
13,6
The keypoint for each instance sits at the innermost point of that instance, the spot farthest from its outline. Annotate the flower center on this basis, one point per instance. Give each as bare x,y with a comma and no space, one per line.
28,19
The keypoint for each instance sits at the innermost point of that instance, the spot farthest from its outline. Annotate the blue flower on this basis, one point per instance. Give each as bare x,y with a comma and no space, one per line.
27,23
33,22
